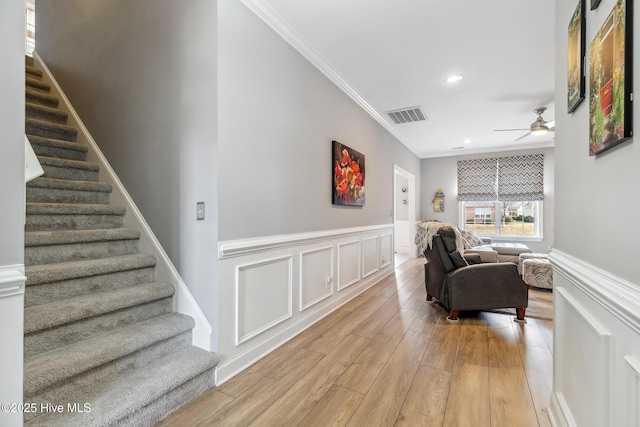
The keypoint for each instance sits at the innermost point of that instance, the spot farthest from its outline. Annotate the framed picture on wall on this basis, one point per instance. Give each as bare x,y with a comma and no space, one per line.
575,65
594,4
610,81
348,176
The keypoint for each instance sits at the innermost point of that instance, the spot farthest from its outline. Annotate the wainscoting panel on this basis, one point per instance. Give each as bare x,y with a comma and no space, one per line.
369,256
633,411
273,288
579,329
596,346
316,276
348,263
263,293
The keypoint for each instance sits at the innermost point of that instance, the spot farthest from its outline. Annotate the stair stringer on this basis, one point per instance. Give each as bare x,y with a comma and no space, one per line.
183,300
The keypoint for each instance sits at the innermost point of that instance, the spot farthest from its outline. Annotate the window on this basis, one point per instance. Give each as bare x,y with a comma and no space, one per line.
502,196
31,27
512,219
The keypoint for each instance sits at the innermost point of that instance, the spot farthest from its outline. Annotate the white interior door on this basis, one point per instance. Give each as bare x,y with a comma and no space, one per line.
404,211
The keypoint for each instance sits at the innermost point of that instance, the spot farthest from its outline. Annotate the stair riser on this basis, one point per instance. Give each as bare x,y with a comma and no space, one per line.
38,85
58,152
57,291
69,173
52,338
45,131
29,61
32,72
42,99
169,402
72,222
37,255
56,195
67,389
54,116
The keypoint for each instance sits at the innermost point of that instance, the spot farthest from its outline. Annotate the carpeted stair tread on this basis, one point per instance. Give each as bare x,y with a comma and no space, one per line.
57,148
47,273
44,293
65,184
71,170
48,129
73,216
54,190
42,112
45,369
61,237
36,97
37,84
32,71
47,247
74,209
71,164
120,398
28,61
62,312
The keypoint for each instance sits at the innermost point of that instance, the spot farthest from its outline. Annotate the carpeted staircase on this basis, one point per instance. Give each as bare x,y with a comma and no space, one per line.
100,337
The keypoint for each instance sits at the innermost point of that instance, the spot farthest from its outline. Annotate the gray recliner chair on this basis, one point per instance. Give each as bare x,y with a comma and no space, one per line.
461,287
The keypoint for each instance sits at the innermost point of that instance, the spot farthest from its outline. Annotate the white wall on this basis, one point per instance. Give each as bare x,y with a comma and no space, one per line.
12,26
442,173
278,116
143,77
596,279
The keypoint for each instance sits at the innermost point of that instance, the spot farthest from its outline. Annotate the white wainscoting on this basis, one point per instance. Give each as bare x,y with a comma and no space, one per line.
273,288
12,280
596,346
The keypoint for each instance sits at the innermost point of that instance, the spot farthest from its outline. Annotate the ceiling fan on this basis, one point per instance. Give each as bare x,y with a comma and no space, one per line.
537,128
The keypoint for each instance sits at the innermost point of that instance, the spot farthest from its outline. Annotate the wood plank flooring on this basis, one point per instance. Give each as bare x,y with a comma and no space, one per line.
389,358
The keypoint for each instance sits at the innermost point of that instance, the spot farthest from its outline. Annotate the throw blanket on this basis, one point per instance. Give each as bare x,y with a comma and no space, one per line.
428,229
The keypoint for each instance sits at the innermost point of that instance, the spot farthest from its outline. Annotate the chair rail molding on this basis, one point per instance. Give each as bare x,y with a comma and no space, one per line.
12,280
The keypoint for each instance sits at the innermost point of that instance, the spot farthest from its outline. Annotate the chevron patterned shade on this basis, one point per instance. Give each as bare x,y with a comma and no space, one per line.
521,178
477,180
516,178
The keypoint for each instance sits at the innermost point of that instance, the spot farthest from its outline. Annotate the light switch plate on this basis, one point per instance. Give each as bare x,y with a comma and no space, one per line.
200,211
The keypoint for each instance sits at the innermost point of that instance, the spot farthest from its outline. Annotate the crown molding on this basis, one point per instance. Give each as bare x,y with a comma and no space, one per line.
273,20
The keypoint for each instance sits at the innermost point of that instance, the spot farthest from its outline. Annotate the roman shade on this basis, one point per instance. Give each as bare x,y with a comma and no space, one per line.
477,180
506,179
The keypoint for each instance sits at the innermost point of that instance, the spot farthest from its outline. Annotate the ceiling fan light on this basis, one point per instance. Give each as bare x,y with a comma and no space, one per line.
539,127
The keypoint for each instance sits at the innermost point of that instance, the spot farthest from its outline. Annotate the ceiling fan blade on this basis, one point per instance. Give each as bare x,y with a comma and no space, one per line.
509,130
523,136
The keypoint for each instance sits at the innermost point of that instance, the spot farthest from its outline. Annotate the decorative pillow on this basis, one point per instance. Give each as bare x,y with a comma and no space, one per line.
470,239
457,259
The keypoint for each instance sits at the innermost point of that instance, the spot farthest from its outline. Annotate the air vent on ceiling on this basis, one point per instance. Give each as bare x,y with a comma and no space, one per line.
407,115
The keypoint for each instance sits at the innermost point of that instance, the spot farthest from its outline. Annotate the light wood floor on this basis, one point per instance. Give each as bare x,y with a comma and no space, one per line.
388,358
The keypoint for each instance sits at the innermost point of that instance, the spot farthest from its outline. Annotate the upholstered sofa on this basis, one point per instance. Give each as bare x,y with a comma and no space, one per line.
492,252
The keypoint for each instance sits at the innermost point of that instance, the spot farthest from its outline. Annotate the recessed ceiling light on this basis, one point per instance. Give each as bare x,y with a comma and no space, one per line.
454,78
467,141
